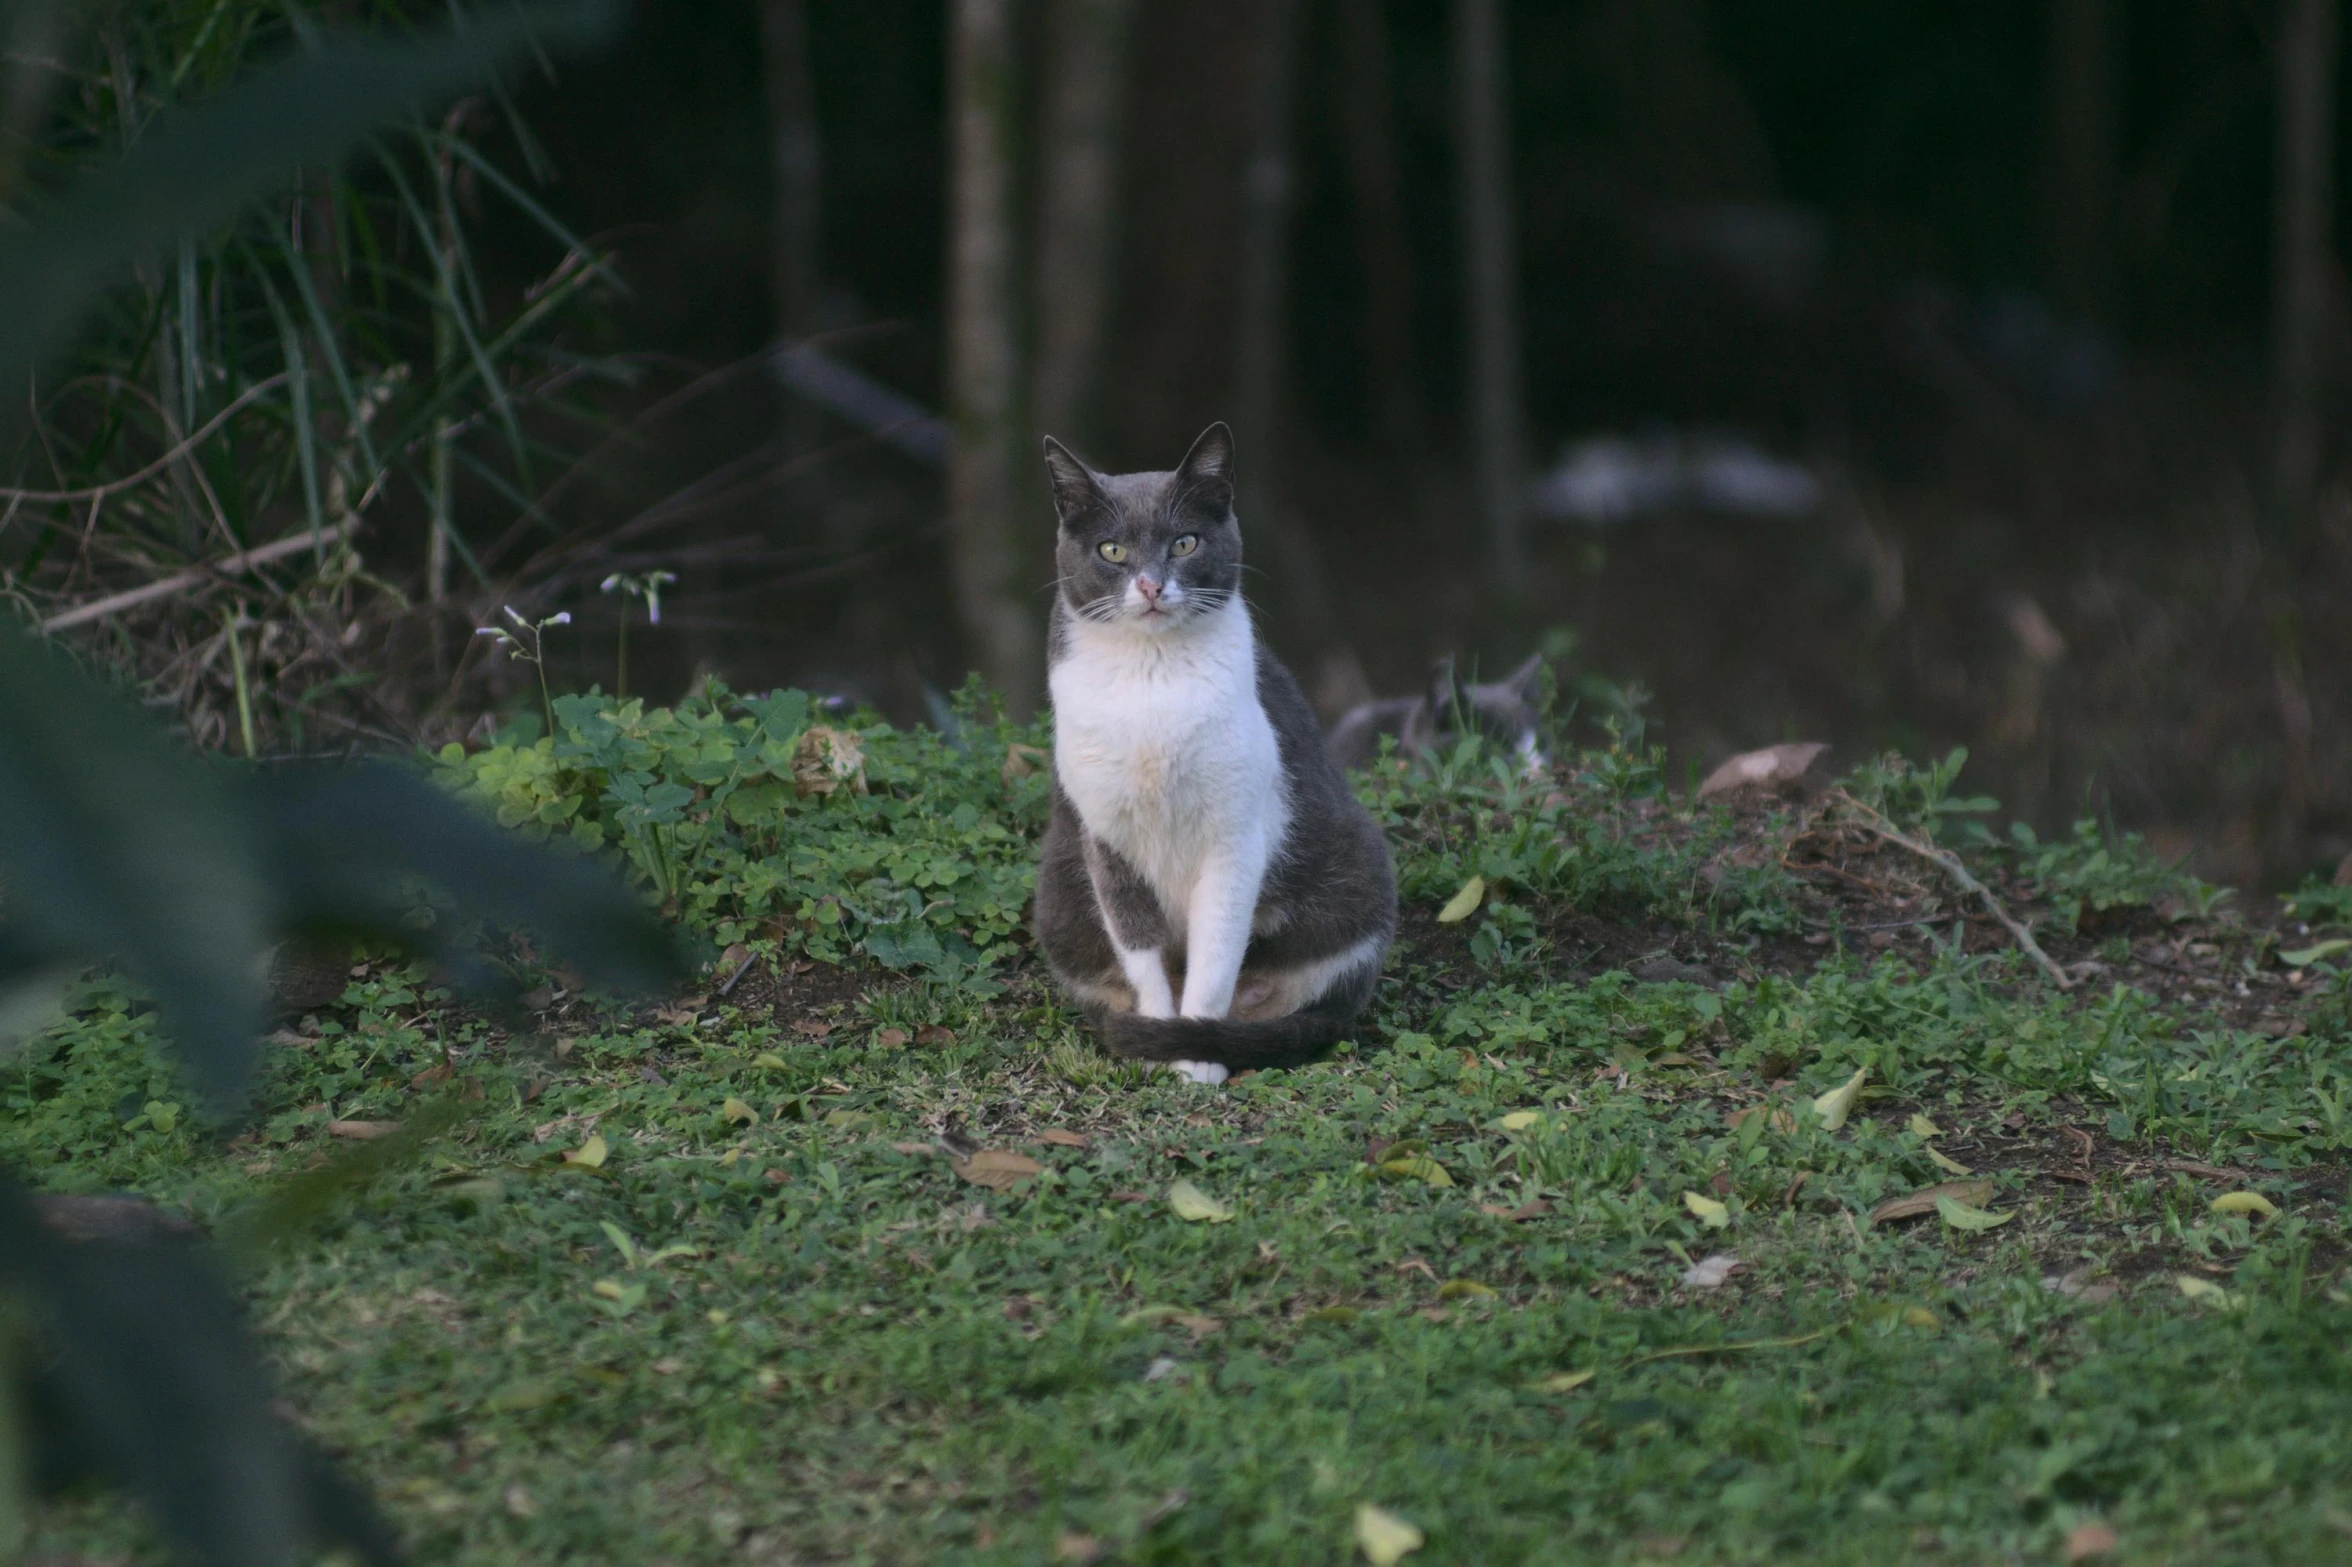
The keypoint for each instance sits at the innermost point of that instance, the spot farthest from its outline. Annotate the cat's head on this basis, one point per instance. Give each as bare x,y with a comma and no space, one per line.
1152,552
1507,711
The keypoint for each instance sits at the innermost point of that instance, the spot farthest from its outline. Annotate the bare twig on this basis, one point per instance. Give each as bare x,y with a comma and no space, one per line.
180,582
178,451
1949,863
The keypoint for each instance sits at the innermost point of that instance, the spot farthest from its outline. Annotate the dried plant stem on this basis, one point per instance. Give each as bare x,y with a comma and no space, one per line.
1949,863
180,582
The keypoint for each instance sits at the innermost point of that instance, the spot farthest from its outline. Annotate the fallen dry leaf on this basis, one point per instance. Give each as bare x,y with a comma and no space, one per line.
1564,1381
1465,903
1023,760
1383,1537
1949,1166
1707,1210
1781,769
1519,1120
590,1154
1920,1126
1071,1546
1195,1206
362,1131
1711,1271
891,1038
2088,1539
1062,1139
1923,1202
998,1169
826,759
1464,1289
1834,1106
2245,1202
1967,1216
736,1112
934,1035
1780,1120
1533,1208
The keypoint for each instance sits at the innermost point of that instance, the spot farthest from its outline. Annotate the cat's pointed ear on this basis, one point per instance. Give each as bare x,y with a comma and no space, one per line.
1206,474
1075,489
1445,693
1527,680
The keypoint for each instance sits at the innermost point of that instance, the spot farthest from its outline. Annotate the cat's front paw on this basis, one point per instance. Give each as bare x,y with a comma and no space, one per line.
1210,1073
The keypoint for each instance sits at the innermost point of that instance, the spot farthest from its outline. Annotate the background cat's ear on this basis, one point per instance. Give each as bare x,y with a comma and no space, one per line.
1445,693
1527,680
1075,491
1206,473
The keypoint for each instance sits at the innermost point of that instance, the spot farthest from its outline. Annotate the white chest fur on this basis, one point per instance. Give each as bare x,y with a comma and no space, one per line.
1161,744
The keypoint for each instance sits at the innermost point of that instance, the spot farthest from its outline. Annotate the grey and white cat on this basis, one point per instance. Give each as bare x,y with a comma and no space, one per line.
1211,892
1504,710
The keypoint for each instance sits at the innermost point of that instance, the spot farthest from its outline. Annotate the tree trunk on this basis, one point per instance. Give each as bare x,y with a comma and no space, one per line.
1491,289
1369,123
1000,623
2302,262
793,149
1310,622
1078,210
2081,192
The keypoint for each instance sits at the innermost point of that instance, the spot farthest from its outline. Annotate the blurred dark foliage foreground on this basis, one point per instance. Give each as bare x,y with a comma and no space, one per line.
124,1354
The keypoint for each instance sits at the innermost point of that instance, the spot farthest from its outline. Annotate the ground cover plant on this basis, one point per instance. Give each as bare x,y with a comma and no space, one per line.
1711,1183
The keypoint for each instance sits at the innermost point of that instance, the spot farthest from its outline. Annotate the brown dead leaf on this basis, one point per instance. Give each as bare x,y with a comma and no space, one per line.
362,1131
1778,769
934,1036
2089,1539
891,1038
433,1074
826,759
911,1148
1781,1120
1974,1194
1023,760
1071,1546
998,1169
814,1028
1061,1138
1533,1208
1198,1326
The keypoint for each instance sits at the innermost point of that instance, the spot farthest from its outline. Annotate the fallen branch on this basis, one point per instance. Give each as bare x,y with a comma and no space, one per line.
1949,863
181,581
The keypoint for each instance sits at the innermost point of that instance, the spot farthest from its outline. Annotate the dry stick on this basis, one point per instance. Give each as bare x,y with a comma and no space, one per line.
180,582
178,451
1951,866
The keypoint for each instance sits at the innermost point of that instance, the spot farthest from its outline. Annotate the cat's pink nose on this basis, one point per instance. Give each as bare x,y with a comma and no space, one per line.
1149,589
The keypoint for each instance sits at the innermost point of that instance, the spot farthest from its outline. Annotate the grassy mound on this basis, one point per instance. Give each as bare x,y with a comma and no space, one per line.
1613,1237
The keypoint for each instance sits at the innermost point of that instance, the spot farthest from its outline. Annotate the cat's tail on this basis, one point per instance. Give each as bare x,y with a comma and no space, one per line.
1294,1039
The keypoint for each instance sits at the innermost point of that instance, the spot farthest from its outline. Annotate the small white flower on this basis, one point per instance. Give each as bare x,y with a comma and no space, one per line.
610,583
517,619
562,618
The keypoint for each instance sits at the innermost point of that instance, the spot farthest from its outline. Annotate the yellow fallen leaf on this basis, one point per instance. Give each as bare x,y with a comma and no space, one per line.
1417,1167
1922,1202
1920,1317
2203,1291
1520,1120
1960,1216
998,1169
1564,1381
1464,1289
736,1111
590,1154
1465,903
1920,1126
1195,1206
1948,1165
1707,1210
1384,1538
1833,1106
2245,1202
768,1058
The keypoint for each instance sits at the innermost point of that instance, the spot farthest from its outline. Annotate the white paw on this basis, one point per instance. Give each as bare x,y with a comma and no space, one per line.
1210,1073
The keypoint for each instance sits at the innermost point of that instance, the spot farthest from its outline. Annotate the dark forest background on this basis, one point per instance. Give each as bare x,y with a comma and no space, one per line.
2041,296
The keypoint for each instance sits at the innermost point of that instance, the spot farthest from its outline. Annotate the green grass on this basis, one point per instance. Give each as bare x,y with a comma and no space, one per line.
849,1352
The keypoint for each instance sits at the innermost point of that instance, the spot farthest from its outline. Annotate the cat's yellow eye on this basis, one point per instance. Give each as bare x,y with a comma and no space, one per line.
1184,546
1114,553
